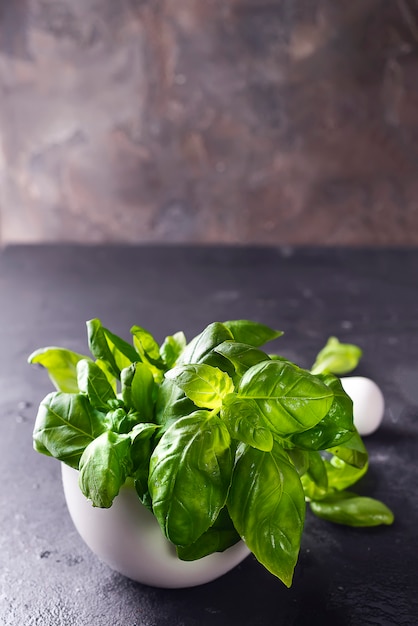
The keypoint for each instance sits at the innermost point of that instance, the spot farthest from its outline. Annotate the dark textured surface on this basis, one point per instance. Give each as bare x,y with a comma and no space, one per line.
269,121
344,577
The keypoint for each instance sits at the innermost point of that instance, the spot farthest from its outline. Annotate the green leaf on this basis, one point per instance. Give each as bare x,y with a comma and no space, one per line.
104,466
352,510
113,381
352,451
190,471
142,436
201,347
220,536
342,475
65,424
315,480
61,365
242,355
300,459
114,351
246,423
122,351
171,348
149,350
138,389
253,333
94,383
337,425
120,421
289,398
171,404
204,385
337,358
267,505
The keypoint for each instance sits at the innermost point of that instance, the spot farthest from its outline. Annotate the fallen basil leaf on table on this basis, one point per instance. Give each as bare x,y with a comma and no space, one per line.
352,510
337,358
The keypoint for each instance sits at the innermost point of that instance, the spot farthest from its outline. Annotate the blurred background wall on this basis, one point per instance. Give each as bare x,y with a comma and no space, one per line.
238,121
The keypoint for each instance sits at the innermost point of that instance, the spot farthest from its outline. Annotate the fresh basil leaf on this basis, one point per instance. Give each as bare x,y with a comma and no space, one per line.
246,423
65,424
300,459
141,449
123,352
114,351
113,381
61,365
93,382
342,475
171,404
201,347
220,536
138,389
352,451
190,470
337,358
252,333
279,357
99,347
38,446
315,479
204,385
242,355
104,466
171,348
119,421
352,510
290,399
267,505
149,350
336,427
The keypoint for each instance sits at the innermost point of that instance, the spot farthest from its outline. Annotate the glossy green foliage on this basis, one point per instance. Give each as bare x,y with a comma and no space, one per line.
315,478
252,333
267,506
337,358
93,382
138,390
242,355
65,425
142,438
190,471
221,440
290,398
220,536
149,351
171,348
61,365
336,427
350,509
114,351
104,466
246,423
204,385
172,403
202,348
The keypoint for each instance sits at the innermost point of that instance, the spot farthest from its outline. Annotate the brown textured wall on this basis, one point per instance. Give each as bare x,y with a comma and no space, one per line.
287,121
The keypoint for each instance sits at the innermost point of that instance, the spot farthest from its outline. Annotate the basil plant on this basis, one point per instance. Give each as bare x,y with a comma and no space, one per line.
222,440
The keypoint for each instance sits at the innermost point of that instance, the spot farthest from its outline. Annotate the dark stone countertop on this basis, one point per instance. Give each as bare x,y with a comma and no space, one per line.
345,577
